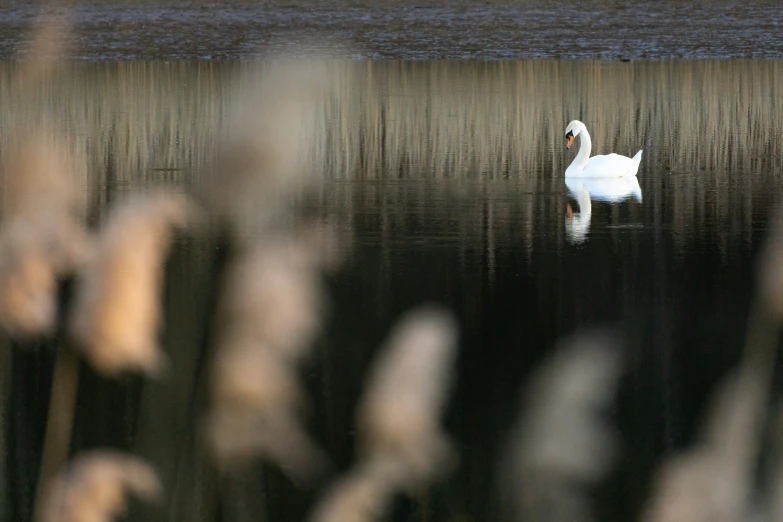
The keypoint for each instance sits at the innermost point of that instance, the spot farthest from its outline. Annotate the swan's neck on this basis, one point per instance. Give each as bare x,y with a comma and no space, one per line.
579,226
585,206
585,144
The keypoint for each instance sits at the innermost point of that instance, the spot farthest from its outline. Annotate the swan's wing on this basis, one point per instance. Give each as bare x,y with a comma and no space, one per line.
611,165
611,190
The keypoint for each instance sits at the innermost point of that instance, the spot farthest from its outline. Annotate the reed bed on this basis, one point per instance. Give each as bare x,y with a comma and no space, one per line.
714,125
412,119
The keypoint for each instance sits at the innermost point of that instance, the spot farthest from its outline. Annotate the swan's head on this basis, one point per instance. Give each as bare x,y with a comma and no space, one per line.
572,131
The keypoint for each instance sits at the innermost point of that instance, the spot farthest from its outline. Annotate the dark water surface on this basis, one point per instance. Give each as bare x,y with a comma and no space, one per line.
463,29
466,206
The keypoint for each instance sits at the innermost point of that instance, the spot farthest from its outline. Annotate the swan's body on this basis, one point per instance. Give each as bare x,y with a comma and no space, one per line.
609,190
605,166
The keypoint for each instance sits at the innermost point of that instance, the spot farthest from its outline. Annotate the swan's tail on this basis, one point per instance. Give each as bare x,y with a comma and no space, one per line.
638,158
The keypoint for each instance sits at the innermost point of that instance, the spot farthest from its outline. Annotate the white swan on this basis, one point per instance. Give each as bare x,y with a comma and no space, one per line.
608,166
608,190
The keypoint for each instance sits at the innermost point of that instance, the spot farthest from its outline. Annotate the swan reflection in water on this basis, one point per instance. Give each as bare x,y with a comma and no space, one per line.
609,190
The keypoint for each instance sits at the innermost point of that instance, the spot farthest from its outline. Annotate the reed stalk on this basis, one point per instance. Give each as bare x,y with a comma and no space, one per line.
59,423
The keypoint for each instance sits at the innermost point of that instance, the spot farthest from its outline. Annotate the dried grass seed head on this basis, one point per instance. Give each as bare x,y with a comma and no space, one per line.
42,238
263,158
274,298
94,487
43,177
398,417
561,443
117,310
358,497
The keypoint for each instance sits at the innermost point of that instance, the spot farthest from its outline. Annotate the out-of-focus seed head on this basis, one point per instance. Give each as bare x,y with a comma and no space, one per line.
116,314
94,487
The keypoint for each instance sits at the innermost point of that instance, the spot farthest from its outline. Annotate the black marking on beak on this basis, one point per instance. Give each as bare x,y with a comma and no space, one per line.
569,133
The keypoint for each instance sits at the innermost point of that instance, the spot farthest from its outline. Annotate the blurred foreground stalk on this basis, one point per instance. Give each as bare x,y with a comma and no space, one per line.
59,423
714,480
402,447
561,445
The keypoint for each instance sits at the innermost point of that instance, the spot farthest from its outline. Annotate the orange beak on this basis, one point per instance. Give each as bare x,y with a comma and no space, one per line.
569,141
569,212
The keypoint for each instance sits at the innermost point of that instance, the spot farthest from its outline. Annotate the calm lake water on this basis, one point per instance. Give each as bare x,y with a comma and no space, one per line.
449,175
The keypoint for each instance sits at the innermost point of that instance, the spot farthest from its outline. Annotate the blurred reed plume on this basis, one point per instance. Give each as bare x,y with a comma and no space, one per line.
713,481
561,444
770,270
401,444
32,261
42,239
116,315
274,296
262,157
43,178
270,314
49,45
273,303
399,416
94,486
774,490
362,495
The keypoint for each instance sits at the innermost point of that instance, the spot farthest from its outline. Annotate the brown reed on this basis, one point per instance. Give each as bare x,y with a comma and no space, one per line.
561,446
402,448
116,314
271,312
42,238
714,479
94,486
